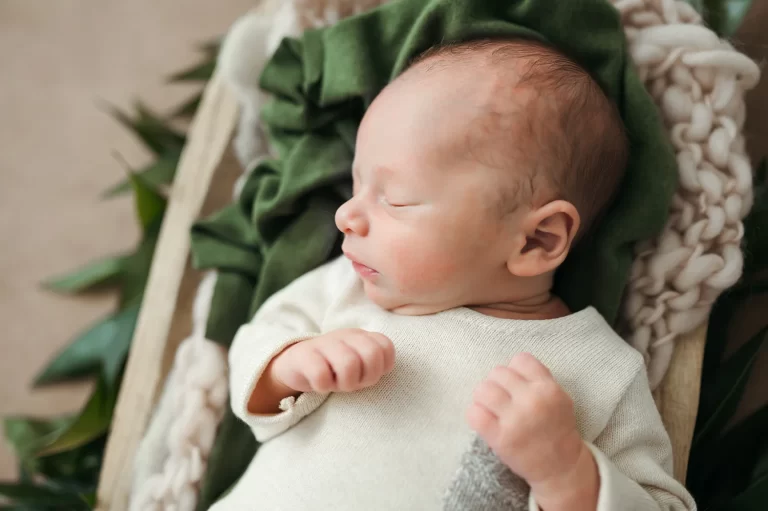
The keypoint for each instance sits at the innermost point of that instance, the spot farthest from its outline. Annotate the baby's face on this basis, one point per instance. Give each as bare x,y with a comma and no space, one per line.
424,226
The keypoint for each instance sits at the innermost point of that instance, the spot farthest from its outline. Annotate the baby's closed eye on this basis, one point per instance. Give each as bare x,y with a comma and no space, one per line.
398,202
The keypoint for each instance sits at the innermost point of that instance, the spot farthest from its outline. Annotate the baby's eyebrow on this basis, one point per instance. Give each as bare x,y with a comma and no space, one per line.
382,174
378,170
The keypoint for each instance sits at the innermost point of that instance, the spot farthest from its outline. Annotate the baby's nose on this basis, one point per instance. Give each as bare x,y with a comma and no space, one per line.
351,220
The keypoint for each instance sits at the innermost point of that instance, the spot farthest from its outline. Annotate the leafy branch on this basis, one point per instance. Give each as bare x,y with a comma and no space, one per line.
60,459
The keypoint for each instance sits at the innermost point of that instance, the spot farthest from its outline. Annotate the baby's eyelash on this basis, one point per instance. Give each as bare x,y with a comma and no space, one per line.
391,204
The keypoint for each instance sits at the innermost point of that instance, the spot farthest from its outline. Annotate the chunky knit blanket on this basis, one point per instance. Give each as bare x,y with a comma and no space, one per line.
698,82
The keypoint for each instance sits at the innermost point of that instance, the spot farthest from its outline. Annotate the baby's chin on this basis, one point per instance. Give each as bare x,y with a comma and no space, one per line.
399,304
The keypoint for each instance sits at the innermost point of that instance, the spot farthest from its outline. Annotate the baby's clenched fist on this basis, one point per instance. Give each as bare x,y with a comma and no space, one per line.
528,420
339,361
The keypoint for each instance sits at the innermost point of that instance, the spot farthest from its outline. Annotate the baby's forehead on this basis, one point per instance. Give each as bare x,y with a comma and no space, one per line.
490,101
473,103
492,76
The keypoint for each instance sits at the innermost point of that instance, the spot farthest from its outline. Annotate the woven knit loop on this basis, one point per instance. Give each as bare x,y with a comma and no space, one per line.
698,82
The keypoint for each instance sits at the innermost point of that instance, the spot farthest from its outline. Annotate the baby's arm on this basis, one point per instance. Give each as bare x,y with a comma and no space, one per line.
291,315
634,457
528,420
340,361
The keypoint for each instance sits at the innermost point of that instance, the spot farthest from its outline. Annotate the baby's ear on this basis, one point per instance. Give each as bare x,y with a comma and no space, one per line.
549,232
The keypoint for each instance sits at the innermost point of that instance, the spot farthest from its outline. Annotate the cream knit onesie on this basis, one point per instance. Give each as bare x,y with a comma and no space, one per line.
400,444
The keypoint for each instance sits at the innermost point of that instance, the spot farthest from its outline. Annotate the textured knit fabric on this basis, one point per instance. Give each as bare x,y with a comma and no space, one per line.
484,483
404,443
282,225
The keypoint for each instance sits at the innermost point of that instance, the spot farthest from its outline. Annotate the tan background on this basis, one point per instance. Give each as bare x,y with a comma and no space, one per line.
57,59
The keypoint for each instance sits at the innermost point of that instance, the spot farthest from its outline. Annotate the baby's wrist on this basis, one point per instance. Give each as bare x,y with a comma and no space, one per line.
275,382
272,373
576,487
269,391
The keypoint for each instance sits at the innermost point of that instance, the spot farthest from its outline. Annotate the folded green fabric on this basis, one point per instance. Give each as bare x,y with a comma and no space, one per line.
282,226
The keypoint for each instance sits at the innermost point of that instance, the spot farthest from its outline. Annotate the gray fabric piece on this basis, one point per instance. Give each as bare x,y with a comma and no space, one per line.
484,483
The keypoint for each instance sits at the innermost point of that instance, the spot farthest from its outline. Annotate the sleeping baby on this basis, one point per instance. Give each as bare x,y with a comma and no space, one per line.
431,367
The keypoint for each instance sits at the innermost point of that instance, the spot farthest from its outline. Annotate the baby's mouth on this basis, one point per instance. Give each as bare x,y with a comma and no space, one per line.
364,271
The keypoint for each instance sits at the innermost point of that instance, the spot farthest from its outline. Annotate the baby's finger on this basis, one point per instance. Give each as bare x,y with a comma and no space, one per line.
388,348
492,396
530,368
508,379
346,364
483,421
318,371
372,357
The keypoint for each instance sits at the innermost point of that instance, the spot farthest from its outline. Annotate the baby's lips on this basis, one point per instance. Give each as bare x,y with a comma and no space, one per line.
364,271
355,261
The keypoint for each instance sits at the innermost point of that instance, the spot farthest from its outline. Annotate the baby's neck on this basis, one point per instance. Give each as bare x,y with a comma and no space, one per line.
545,306
506,297
522,298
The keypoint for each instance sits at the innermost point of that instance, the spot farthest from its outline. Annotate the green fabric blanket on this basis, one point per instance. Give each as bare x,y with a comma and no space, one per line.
283,224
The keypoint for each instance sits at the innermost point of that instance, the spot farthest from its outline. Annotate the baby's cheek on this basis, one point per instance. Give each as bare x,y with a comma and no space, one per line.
420,268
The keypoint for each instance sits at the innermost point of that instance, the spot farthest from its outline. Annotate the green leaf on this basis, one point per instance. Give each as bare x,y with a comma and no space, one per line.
761,173
77,468
95,274
188,109
717,330
761,466
753,498
722,462
150,129
89,499
211,48
721,395
27,435
92,422
104,346
201,72
47,495
756,226
137,267
114,358
720,318
725,16
158,173
150,203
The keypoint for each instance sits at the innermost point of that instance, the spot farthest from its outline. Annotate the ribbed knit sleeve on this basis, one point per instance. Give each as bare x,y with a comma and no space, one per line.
634,458
292,315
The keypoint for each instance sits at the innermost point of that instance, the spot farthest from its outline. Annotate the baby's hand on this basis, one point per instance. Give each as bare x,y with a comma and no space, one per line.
339,361
527,419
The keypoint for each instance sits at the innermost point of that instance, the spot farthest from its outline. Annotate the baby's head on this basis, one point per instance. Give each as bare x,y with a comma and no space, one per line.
475,172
